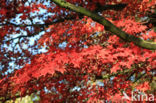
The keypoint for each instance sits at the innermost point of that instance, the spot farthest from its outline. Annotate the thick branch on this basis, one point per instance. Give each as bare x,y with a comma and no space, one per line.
108,25
110,7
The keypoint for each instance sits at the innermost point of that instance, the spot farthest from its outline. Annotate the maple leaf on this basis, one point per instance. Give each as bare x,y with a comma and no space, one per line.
115,68
23,17
143,87
3,11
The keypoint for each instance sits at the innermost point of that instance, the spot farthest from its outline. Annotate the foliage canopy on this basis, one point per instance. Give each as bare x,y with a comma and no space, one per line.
77,50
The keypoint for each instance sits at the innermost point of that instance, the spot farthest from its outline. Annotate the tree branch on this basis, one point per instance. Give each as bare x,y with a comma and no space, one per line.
108,25
98,9
37,25
41,25
22,36
110,7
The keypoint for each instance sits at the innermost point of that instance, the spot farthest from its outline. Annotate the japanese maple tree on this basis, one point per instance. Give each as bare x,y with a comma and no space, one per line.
75,51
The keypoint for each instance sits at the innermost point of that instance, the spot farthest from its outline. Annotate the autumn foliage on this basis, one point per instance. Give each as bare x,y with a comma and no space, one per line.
64,56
